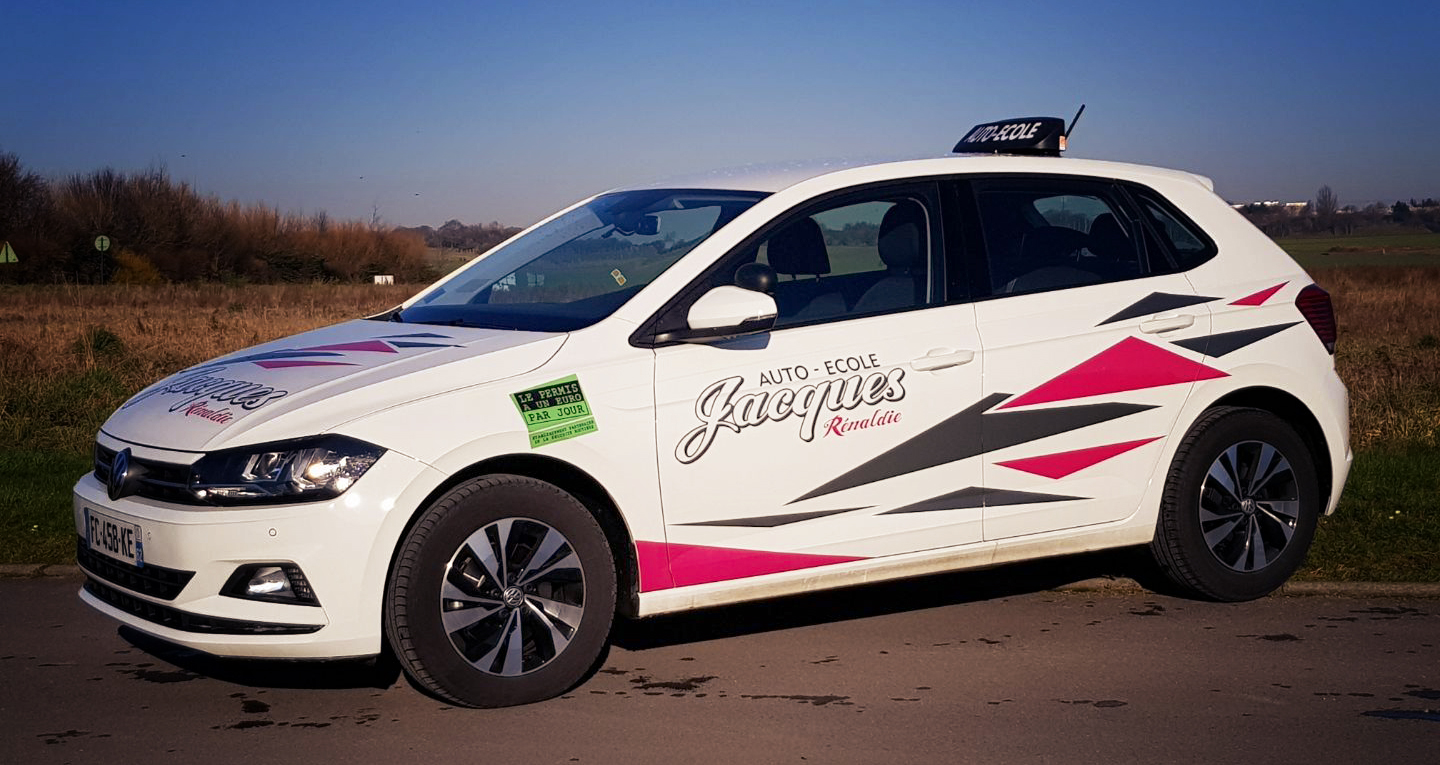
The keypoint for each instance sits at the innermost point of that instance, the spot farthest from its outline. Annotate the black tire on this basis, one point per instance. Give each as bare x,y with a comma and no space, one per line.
479,627
1258,507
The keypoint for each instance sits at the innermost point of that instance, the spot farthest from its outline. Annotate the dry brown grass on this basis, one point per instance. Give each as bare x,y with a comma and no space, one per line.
65,370
45,330
70,354
1389,352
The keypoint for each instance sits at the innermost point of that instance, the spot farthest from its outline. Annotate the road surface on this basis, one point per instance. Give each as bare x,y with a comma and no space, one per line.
960,668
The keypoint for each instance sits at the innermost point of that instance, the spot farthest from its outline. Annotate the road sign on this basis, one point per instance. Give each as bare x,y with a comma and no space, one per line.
7,254
102,243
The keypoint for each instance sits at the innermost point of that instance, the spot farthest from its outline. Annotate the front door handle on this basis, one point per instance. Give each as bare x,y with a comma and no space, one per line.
940,358
1166,323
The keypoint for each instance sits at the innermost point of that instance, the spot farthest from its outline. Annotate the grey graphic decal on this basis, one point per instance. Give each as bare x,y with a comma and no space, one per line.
1156,302
958,437
976,496
771,521
1218,345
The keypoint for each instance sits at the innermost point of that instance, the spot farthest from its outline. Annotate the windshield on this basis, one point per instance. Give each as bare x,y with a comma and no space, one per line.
580,267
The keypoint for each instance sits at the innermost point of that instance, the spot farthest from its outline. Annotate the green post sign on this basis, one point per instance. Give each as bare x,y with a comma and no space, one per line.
7,254
102,243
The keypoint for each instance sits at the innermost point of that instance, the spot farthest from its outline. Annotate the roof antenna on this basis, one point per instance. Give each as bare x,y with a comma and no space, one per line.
1071,129
1065,139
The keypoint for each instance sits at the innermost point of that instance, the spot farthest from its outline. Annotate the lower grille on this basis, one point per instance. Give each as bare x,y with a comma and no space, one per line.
155,581
176,619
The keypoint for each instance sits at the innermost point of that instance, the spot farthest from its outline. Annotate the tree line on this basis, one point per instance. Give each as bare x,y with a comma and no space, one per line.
1325,215
163,230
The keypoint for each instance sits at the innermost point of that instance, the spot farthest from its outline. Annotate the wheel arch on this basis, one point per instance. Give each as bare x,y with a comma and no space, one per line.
1291,409
569,478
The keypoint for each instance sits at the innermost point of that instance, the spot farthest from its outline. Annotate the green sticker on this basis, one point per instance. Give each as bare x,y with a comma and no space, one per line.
555,411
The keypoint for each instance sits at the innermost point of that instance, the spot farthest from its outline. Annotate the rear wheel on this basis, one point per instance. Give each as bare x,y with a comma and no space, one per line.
1240,506
503,593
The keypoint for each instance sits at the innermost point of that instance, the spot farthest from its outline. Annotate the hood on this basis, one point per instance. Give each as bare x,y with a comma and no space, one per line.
318,380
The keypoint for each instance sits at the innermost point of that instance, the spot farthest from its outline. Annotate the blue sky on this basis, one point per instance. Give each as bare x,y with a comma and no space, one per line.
505,111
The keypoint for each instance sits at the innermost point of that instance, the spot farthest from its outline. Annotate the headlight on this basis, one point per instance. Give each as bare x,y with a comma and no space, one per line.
304,470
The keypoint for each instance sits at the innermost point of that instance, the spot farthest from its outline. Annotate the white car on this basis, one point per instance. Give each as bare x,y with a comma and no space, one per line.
738,386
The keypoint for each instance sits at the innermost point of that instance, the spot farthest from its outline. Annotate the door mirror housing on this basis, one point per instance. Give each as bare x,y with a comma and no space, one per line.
722,313
728,307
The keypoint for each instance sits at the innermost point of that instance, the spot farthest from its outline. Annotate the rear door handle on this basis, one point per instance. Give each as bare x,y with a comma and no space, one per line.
940,358
1166,323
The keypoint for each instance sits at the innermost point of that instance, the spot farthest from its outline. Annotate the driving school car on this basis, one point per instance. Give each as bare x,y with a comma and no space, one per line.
737,386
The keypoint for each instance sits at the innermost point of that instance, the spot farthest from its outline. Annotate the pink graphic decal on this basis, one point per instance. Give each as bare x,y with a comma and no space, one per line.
362,345
1065,463
654,560
697,564
1260,297
287,363
1131,364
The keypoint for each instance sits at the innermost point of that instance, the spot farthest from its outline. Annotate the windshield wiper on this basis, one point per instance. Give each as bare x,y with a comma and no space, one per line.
457,322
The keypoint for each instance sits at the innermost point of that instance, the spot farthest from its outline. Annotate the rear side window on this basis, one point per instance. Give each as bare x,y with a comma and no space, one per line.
1048,233
1179,240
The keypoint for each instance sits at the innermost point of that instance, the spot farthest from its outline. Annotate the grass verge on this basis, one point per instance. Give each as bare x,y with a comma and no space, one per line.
1387,528
36,525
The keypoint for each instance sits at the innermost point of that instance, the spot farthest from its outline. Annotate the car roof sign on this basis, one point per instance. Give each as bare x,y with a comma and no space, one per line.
1041,136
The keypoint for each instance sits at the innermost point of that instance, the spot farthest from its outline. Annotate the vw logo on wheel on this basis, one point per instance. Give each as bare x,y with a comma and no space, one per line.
119,474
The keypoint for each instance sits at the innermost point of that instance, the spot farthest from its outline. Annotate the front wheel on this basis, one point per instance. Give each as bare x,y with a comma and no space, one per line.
1240,506
502,593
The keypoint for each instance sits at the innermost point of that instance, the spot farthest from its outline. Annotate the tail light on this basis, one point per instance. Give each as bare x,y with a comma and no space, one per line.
1315,304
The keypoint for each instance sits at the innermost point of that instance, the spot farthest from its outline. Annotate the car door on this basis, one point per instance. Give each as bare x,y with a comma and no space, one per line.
1084,377
837,435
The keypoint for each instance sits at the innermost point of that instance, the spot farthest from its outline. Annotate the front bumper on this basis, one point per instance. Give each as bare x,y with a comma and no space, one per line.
343,546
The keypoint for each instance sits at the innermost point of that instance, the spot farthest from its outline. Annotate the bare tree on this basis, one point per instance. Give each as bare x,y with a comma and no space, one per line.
1326,204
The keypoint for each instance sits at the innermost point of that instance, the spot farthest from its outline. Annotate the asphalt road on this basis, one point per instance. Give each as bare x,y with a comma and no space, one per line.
964,668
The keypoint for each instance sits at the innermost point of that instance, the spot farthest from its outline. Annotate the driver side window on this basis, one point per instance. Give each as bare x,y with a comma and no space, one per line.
862,256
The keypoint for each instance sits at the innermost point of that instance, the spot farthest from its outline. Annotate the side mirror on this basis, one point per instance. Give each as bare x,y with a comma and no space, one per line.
727,308
722,313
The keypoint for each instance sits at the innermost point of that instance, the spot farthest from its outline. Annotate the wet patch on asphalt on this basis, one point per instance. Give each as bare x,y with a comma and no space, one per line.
161,676
819,701
688,685
253,706
64,736
1102,703
1425,714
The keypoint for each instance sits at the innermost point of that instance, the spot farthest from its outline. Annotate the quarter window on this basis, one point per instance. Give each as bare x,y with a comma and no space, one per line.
1185,246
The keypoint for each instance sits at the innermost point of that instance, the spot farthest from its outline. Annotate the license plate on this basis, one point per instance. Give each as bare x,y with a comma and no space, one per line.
113,538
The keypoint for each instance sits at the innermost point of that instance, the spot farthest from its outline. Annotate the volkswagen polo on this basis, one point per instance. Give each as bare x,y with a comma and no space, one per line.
737,386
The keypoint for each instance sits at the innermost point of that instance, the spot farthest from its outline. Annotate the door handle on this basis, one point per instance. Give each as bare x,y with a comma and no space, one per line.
1166,323
940,358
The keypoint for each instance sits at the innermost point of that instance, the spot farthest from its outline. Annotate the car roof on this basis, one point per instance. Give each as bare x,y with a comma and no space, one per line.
773,177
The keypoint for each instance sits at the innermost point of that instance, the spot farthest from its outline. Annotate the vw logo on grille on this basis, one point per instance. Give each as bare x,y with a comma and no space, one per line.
119,474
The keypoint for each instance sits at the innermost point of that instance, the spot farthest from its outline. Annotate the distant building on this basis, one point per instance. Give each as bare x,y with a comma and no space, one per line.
1272,203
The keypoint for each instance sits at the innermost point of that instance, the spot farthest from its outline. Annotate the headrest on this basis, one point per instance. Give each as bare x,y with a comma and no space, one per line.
1108,240
1049,244
902,236
799,248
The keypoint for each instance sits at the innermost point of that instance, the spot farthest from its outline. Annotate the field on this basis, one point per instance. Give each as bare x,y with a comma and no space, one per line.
69,355
1379,250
